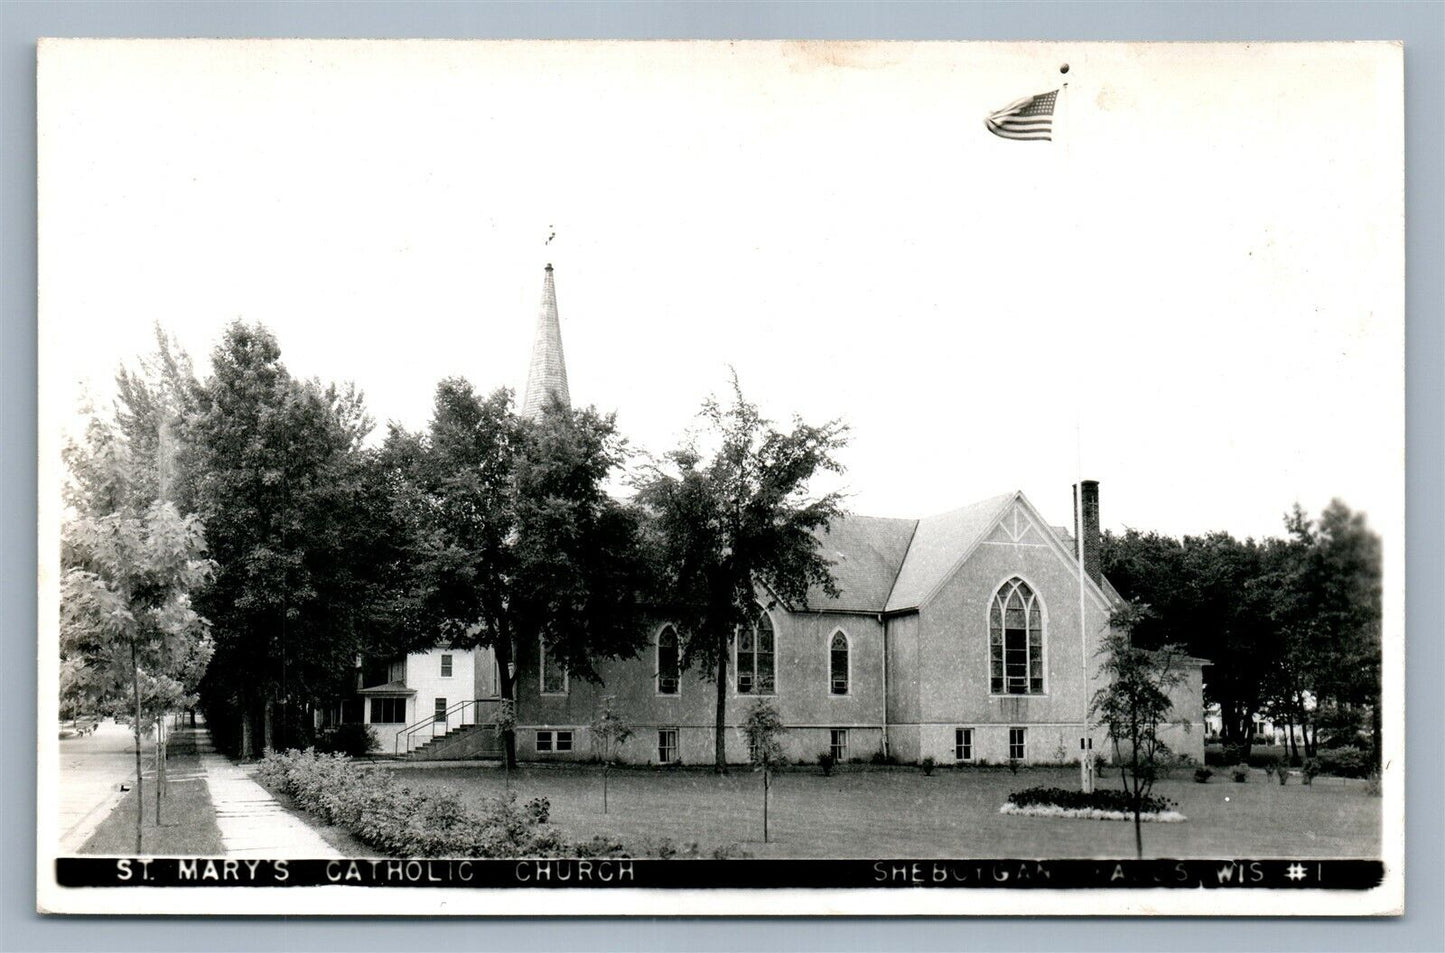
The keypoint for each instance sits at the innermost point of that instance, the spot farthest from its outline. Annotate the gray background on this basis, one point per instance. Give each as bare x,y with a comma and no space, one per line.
1421,25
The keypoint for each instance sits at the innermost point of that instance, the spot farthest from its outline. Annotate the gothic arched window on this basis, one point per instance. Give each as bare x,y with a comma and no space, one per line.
755,657
838,664
669,662
1016,640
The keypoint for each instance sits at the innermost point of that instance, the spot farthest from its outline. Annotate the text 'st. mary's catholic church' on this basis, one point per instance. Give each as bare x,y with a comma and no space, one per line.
956,637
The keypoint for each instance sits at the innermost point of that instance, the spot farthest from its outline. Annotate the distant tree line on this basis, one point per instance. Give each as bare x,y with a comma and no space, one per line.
1289,625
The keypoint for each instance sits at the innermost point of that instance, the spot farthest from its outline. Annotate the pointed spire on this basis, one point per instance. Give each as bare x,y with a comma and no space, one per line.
548,372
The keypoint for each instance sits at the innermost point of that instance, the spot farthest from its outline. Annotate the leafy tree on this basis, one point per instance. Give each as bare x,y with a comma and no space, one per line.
608,732
735,521
762,728
512,539
1329,610
297,517
1211,595
1134,704
129,569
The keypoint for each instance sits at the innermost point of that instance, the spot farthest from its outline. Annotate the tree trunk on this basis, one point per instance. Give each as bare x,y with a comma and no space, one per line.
767,783
1137,794
160,771
1377,754
507,688
719,739
1290,738
140,802
248,745
268,726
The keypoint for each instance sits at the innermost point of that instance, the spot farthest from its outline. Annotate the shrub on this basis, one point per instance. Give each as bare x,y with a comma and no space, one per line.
1265,759
826,761
927,764
1309,770
1109,799
1240,774
1013,765
879,758
1372,785
354,740
1283,774
730,852
1223,756
1346,762
401,821
1202,775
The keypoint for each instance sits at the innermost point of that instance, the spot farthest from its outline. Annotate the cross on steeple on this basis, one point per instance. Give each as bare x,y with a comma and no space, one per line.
548,371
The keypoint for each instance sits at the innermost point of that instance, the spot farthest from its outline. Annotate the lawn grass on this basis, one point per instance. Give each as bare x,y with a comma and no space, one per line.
189,827
954,813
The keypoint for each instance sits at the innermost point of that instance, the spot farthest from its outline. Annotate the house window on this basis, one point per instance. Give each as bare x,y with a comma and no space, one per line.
1016,744
667,746
550,741
838,664
554,676
388,711
755,657
1016,641
439,712
838,744
669,663
446,666
963,744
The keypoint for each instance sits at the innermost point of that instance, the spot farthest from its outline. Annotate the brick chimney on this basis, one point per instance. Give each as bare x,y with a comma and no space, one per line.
1090,496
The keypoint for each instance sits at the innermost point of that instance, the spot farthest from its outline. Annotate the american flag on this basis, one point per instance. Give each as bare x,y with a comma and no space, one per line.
1029,118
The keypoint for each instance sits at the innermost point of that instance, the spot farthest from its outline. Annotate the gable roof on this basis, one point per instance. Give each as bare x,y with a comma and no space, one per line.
895,565
939,544
866,553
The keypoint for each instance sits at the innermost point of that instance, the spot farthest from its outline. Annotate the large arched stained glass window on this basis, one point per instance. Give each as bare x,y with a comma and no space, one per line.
1016,640
668,662
755,657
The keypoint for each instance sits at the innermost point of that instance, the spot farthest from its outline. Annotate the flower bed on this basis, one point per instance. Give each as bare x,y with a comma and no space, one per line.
1101,805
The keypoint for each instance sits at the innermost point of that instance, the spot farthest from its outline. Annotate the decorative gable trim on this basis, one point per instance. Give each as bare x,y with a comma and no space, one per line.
1007,520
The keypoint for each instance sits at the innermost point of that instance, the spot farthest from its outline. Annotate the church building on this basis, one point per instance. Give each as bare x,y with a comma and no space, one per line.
966,637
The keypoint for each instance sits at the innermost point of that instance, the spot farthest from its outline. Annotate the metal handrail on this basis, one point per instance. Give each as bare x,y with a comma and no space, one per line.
404,737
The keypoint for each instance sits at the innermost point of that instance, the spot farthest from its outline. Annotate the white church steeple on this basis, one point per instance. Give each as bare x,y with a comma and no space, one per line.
548,372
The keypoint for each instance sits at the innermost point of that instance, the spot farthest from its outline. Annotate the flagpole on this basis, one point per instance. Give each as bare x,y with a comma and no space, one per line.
1086,759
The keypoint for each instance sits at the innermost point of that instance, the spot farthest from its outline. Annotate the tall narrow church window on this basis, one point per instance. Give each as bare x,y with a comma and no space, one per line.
554,675
668,662
1016,641
755,657
838,664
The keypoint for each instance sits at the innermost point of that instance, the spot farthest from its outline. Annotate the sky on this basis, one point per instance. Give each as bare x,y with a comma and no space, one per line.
1194,294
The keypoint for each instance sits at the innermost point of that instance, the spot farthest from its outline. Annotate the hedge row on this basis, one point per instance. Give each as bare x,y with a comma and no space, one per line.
1098,800
381,812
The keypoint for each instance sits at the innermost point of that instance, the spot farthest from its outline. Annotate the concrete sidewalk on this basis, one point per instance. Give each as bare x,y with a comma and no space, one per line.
252,823
92,769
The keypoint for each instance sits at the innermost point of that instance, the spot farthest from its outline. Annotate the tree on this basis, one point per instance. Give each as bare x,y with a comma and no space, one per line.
1134,704
512,538
762,728
128,574
1210,594
609,732
297,519
1328,580
735,525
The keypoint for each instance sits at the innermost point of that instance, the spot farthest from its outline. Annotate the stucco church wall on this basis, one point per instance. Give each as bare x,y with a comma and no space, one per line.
803,696
954,655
